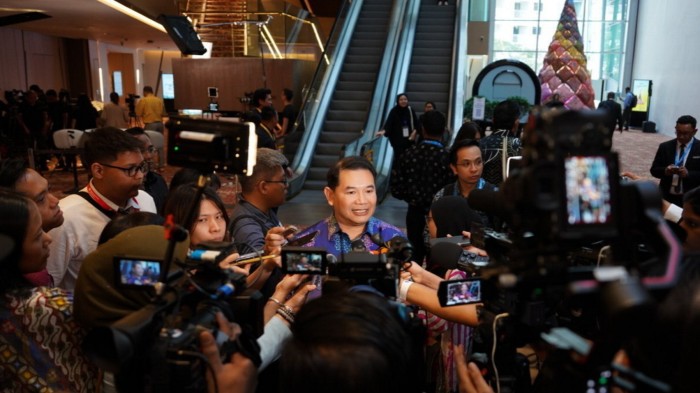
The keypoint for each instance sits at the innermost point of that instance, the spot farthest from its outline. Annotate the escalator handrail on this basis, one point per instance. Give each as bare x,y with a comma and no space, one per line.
318,103
458,82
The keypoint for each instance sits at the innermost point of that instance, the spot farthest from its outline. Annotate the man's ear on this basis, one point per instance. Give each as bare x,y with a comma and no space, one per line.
97,170
454,169
330,196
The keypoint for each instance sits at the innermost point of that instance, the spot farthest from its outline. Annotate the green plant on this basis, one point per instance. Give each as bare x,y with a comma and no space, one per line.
488,110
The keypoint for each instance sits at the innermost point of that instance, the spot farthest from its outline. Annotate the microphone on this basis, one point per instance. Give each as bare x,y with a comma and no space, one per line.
445,254
358,245
247,261
489,202
331,259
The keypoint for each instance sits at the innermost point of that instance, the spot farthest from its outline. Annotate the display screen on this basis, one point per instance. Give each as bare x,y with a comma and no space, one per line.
136,271
588,190
457,292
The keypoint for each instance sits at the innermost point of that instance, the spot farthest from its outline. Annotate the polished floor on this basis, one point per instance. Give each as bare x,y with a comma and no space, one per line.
636,150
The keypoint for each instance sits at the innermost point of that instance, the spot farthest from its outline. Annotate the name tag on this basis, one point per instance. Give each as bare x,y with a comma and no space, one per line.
406,132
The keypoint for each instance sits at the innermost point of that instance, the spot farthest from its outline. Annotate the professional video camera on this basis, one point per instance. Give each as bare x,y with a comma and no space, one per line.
131,103
566,200
156,347
379,269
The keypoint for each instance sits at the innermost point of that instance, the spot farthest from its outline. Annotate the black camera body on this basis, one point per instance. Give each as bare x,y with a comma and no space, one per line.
131,103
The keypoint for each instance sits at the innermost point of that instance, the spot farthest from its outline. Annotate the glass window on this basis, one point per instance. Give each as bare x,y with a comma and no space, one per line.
603,25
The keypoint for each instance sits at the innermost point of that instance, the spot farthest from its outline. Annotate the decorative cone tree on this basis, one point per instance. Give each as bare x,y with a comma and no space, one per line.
564,71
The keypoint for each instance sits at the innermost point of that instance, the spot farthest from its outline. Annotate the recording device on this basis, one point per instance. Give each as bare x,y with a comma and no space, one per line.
459,292
304,260
131,103
458,240
136,272
566,197
212,146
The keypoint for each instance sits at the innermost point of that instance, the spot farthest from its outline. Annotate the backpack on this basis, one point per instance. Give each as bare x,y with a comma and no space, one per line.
634,101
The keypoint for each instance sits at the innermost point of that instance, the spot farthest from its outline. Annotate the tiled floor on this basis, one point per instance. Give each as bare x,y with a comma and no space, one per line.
636,151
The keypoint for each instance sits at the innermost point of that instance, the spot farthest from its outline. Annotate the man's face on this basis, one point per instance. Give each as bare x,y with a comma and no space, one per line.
469,165
266,102
690,221
32,185
116,182
354,199
146,147
275,188
684,133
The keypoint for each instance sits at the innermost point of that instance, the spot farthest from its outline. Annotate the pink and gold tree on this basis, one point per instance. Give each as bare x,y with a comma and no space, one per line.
564,71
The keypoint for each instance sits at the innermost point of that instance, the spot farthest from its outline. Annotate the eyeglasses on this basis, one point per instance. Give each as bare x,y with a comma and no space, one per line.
130,171
284,181
150,149
470,164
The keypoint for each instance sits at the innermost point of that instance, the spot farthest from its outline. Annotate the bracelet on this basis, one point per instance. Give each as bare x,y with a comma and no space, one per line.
272,299
403,290
286,313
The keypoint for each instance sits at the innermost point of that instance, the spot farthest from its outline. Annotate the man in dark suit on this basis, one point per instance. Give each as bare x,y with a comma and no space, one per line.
614,110
677,162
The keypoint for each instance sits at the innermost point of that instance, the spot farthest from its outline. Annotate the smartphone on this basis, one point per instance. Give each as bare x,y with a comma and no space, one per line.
458,240
136,272
458,292
304,260
290,230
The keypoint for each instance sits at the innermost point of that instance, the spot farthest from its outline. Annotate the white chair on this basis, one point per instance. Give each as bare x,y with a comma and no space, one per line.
72,142
158,142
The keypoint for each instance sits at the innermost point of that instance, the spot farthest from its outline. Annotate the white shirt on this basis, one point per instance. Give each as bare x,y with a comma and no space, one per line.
78,236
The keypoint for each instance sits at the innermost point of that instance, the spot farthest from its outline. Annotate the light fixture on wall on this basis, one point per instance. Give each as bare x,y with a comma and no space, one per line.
136,15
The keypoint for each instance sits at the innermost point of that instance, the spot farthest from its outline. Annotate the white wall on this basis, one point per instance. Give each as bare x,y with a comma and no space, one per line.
667,53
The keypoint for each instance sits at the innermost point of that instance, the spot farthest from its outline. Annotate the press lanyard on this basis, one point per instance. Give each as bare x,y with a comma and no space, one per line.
431,142
100,201
681,158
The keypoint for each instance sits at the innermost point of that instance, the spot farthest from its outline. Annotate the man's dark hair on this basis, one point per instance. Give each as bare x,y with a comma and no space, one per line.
147,89
11,170
258,95
114,97
122,223
505,114
348,164
687,119
51,93
135,131
611,95
105,144
692,197
627,89
468,130
370,353
434,123
191,176
459,145
267,113
288,94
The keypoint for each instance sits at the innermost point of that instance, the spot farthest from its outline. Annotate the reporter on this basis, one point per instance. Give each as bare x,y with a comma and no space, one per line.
39,339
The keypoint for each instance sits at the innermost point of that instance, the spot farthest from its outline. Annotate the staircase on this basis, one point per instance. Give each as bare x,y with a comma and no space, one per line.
353,92
431,60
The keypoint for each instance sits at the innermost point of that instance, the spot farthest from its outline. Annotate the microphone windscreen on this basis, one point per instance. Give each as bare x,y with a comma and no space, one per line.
489,202
445,254
331,258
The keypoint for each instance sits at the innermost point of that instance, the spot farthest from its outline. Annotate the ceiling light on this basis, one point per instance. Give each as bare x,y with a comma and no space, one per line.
136,15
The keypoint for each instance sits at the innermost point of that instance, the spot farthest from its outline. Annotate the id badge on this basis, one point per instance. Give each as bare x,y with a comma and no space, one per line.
675,181
406,132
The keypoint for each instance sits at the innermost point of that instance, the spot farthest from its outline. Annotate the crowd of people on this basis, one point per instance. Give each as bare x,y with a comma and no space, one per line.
58,282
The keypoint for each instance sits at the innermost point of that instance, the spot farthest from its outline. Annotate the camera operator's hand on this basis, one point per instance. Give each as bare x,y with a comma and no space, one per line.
417,274
284,288
470,378
682,171
274,240
237,376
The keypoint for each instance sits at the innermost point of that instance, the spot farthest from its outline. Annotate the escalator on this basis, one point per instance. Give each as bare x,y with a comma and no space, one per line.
431,61
353,91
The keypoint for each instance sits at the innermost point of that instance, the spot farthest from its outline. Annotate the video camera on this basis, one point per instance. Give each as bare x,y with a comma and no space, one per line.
131,103
564,202
156,347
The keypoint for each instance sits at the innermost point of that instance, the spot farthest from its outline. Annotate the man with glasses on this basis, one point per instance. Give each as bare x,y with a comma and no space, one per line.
677,162
118,168
153,183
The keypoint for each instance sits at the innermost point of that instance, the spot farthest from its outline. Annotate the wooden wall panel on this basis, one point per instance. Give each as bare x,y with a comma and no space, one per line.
234,77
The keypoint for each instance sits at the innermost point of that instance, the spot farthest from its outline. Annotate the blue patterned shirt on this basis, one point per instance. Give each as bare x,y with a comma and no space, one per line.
337,242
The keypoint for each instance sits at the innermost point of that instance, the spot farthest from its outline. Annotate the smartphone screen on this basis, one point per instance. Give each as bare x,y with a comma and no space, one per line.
458,292
303,260
136,272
